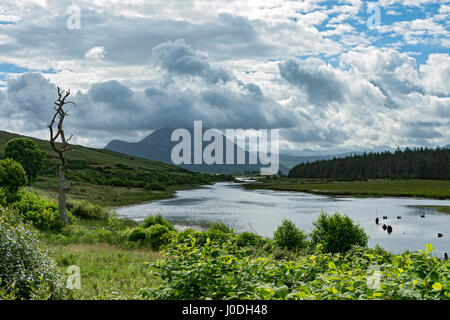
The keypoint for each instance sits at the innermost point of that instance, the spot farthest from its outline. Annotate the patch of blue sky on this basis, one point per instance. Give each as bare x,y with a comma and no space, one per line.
12,68
423,50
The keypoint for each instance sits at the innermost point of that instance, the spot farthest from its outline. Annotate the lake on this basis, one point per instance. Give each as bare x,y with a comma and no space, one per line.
261,211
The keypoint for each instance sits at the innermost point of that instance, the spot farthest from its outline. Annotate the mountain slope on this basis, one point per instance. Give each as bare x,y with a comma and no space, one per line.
158,146
89,155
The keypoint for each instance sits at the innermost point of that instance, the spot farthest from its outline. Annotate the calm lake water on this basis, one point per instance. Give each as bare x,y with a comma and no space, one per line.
261,211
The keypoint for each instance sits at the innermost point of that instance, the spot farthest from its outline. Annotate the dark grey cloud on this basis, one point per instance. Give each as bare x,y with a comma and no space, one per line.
180,58
320,83
421,130
114,107
308,131
112,92
118,35
29,97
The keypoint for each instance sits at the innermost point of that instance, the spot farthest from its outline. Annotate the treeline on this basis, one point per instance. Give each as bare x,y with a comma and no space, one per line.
409,164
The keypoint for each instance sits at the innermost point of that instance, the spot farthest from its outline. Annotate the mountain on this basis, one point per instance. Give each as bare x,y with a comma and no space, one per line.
158,146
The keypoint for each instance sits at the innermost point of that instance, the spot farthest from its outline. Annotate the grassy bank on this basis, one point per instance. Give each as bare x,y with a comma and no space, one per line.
106,196
434,189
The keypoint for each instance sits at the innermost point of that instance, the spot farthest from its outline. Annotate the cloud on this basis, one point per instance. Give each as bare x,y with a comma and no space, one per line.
96,53
178,57
29,98
311,68
316,78
435,74
114,108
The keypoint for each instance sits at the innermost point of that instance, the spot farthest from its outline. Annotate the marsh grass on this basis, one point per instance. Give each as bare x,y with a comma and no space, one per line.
437,189
107,272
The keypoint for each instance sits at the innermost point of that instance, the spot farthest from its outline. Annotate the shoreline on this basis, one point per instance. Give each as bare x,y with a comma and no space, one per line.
374,188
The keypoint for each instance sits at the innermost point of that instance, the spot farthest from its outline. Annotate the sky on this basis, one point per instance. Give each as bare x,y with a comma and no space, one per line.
332,76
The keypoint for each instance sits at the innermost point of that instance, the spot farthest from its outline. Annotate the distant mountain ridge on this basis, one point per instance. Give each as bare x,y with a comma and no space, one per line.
158,146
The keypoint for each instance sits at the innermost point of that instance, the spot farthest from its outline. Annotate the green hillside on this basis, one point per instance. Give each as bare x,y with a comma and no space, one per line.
110,178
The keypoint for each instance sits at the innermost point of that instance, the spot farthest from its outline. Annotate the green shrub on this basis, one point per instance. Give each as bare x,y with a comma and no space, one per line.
155,186
157,236
27,153
212,271
41,212
26,271
289,236
220,226
245,239
222,271
154,220
337,233
187,235
217,235
136,234
85,210
3,200
12,177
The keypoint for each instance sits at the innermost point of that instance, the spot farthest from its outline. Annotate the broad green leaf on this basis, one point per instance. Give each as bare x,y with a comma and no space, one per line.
437,286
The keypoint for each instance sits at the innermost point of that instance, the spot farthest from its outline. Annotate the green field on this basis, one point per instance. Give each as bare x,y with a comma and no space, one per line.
436,189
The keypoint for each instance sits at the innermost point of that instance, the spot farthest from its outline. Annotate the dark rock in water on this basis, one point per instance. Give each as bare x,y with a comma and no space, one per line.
384,227
384,217
422,215
440,235
446,256
377,220
398,217
389,229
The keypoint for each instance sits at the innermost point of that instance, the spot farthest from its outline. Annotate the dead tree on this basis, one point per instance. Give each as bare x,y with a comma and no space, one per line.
61,149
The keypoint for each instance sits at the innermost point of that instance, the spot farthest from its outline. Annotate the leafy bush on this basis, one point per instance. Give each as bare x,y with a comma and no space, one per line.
155,186
249,239
154,220
136,234
337,233
12,177
3,200
27,153
220,226
289,236
157,236
222,271
86,210
217,236
214,271
26,271
41,212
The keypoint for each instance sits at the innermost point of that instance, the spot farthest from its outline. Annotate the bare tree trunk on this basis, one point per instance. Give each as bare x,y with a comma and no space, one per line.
62,196
61,150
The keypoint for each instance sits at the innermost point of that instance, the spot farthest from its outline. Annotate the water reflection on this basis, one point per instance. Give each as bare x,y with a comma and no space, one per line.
261,211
